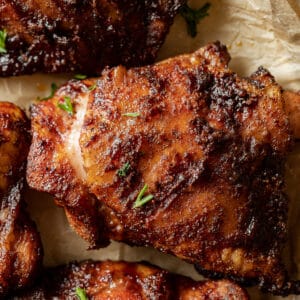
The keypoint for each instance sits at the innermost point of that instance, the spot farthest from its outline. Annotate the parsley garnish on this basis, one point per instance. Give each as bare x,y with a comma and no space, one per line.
81,294
53,90
122,172
3,36
80,76
132,114
141,200
193,17
92,87
67,105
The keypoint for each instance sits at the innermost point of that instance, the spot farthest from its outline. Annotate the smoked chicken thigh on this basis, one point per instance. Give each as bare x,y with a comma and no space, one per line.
210,147
56,36
127,281
20,245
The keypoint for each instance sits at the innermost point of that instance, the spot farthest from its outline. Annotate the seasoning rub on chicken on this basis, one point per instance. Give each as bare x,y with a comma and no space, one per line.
183,156
124,281
81,36
20,246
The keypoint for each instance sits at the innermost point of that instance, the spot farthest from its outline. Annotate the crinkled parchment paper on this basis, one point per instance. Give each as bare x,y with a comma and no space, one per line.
256,32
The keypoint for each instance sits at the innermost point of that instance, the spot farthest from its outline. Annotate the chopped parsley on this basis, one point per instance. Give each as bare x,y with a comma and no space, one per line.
81,294
132,114
122,172
92,87
193,17
141,200
54,88
80,76
67,105
3,36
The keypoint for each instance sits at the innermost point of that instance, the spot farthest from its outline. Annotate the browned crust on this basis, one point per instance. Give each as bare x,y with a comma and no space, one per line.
292,108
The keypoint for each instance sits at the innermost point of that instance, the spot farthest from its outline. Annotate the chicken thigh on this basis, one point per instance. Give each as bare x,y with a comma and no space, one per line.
81,36
20,245
183,156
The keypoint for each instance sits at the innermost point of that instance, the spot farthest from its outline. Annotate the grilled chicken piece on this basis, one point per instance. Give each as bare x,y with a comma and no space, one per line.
82,36
20,246
209,145
128,281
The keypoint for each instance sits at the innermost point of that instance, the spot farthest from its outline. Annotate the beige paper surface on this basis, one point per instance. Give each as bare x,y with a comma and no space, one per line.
257,32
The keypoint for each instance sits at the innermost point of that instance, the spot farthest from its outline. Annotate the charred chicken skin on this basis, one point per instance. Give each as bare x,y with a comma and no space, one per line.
183,156
20,246
82,36
127,281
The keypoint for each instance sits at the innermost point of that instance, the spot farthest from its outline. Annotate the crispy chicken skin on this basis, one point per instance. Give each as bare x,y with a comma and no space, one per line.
82,36
127,281
20,246
210,146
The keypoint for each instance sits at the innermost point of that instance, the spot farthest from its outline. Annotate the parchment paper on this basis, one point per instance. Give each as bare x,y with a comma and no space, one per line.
257,32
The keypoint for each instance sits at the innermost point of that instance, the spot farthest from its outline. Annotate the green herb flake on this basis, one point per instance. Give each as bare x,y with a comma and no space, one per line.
3,36
66,105
132,114
194,16
141,200
81,294
92,87
122,172
80,76
54,88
